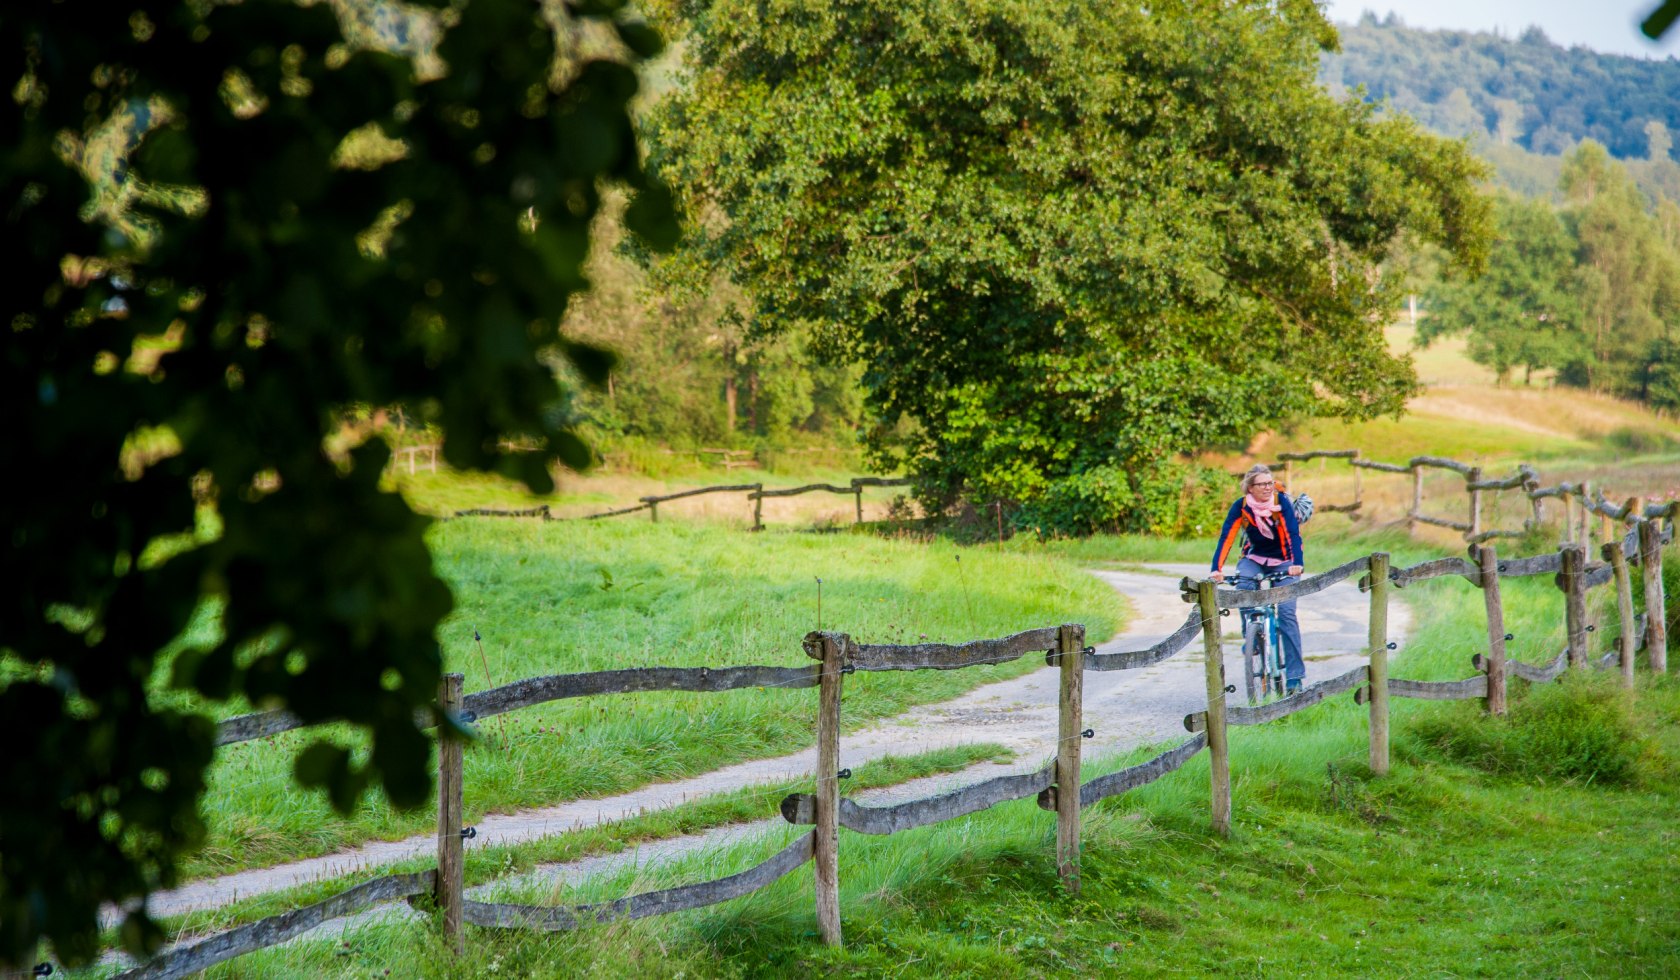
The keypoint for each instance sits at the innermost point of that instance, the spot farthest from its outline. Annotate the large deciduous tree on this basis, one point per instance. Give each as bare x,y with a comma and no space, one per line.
1069,241
201,273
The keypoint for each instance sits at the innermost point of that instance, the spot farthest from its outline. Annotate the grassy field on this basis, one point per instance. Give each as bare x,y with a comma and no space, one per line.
1540,845
555,597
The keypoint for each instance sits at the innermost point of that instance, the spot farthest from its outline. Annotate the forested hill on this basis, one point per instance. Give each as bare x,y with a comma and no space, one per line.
1526,91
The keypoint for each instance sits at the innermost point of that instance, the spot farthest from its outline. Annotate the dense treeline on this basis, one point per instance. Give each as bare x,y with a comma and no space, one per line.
1590,288
1527,91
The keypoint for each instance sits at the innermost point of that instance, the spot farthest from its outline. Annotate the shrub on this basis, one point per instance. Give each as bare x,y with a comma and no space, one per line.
1166,499
1581,729
1641,441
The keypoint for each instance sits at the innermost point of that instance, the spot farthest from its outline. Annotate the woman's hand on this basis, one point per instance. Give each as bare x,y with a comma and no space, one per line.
1218,576
1294,570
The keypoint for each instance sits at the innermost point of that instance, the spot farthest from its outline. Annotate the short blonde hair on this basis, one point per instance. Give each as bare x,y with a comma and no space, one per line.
1257,470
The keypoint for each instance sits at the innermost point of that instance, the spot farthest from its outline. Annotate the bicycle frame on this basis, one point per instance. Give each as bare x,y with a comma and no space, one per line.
1271,670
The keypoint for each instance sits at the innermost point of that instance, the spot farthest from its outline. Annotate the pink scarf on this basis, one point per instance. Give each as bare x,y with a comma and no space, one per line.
1262,512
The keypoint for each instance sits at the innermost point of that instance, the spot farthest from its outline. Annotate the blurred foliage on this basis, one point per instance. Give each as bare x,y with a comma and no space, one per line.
1062,239
193,304
685,357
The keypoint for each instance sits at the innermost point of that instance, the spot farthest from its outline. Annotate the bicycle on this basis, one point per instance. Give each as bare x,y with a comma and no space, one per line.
1263,660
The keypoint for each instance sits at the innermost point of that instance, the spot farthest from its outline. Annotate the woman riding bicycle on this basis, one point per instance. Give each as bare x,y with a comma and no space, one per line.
1264,517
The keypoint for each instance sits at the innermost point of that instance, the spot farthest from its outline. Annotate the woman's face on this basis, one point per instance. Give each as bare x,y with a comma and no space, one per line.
1262,487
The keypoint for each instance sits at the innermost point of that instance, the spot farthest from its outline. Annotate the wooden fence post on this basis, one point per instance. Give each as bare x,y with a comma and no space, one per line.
450,887
1624,606
1358,480
1574,602
1651,559
1475,476
1417,499
1071,643
1489,562
1213,660
827,843
1377,637
758,508
653,510
857,488
1586,519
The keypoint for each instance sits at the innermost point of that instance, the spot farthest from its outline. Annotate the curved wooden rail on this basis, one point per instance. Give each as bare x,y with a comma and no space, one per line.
1539,673
1319,454
1250,598
1470,687
1132,659
556,687
261,724
1371,464
1133,777
546,918
1536,565
1440,462
207,952
1299,701
615,513
947,656
539,511
727,488
801,808
1524,476
1435,568
795,491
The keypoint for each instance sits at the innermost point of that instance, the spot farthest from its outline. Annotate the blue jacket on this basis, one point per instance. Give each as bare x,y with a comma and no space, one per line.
1285,542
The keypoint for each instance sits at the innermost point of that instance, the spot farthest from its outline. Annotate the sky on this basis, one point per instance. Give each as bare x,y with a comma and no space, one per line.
1610,26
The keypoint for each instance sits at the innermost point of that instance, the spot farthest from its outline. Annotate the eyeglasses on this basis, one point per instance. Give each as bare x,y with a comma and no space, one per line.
1262,486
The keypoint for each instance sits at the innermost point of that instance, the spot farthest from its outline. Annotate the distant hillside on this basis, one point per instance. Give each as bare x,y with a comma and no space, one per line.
1524,92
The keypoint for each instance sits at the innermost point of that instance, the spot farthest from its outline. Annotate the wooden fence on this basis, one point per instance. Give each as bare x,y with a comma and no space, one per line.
755,492
1057,786
1579,500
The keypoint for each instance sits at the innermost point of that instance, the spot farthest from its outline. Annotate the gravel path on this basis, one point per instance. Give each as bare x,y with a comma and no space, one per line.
1126,708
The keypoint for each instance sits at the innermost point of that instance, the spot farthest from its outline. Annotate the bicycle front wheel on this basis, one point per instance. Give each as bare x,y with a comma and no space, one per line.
1254,659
